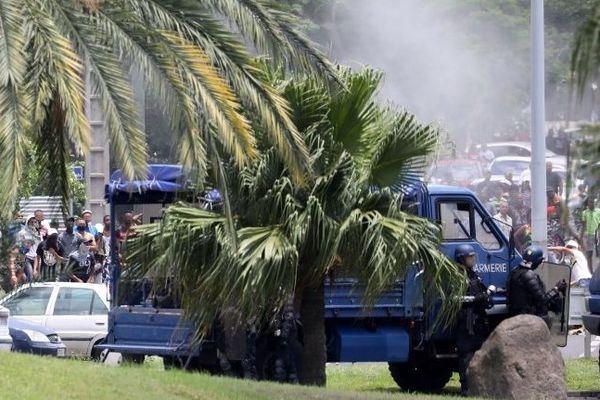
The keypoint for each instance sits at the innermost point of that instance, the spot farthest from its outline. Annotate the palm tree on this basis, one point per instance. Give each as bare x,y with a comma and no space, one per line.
346,219
585,65
204,75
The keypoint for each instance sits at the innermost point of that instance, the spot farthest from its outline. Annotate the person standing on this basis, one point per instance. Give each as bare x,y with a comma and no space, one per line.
526,291
580,272
89,226
590,218
472,325
80,260
553,179
486,155
28,239
41,224
505,222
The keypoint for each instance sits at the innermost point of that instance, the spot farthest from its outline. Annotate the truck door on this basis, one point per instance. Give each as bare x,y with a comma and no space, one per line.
465,222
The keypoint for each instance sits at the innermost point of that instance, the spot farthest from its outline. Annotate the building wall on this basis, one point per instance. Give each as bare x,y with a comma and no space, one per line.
97,160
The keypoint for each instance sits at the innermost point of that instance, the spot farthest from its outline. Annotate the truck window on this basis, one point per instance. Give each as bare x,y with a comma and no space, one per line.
455,218
484,233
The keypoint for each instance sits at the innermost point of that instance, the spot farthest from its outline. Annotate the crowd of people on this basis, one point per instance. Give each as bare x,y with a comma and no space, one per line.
572,236
79,253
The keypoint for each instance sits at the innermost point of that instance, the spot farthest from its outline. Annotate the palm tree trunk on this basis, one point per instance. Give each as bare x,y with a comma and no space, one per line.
314,353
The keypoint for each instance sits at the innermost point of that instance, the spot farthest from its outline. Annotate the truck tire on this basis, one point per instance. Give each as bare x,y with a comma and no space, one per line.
421,377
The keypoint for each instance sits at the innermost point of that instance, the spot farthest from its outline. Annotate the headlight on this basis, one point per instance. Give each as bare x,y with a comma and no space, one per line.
54,338
36,336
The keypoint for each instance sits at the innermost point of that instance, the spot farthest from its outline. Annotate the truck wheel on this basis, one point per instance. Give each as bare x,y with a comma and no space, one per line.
420,377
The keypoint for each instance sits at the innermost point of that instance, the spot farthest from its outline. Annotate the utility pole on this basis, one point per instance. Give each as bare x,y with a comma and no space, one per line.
538,127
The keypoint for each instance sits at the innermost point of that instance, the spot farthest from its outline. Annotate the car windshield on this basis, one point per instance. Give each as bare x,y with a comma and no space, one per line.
29,301
504,166
522,150
456,172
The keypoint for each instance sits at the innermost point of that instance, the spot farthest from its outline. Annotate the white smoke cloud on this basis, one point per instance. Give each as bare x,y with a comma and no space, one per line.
432,65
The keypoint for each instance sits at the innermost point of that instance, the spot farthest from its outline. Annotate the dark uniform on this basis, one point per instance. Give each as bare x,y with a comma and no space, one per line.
472,325
527,293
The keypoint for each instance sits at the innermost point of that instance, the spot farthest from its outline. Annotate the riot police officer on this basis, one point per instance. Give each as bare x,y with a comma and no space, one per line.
527,293
472,325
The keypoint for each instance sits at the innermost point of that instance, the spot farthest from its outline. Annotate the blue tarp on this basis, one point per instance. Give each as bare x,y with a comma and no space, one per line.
160,180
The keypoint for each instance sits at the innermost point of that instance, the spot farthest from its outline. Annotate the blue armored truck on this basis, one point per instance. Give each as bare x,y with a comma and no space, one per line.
396,330
591,319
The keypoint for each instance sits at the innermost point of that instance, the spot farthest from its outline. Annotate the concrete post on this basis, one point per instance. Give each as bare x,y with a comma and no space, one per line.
97,160
538,127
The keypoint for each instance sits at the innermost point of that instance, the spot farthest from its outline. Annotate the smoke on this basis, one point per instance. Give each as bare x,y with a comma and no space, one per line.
437,65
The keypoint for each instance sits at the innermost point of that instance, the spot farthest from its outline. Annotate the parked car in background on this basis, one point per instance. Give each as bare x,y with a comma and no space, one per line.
501,165
5,339
523,149
77,312
454,172
29,337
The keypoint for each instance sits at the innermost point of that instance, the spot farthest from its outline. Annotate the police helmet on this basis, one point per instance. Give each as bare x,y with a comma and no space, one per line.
462,252
533,255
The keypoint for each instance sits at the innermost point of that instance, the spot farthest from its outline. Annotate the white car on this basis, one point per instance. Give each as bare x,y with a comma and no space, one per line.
516,165
78,312
5,339
523,149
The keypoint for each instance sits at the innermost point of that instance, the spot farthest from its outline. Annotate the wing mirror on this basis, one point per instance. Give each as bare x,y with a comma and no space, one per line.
511,244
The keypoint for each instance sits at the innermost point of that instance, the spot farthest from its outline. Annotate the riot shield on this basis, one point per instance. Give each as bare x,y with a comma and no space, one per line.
559,317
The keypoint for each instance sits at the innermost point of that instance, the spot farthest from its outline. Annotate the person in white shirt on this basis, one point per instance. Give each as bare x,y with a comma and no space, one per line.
525,175
580,274
486,155
503,217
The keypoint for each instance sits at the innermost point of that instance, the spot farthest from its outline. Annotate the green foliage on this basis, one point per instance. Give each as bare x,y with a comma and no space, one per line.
36,177
73,382
202,75
344,220
582,375
345,382
585,64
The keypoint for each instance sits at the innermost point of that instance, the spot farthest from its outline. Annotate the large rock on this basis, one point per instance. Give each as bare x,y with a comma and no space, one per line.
518,361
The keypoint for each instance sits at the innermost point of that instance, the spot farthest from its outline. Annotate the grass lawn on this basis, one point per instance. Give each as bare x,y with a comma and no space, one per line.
31,377
582,375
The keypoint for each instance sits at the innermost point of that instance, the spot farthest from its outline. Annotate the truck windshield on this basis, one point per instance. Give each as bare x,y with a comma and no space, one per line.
460,220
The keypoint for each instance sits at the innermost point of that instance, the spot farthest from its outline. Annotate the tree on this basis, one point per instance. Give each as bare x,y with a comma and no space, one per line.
585,65
347,219
201,72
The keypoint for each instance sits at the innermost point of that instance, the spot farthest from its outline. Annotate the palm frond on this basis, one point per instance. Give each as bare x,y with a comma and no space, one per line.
53,152
585,58
14,120
12,57
398,154
15,101
379,250
234,63
216,98
111,84
272,31
353,110
62,75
